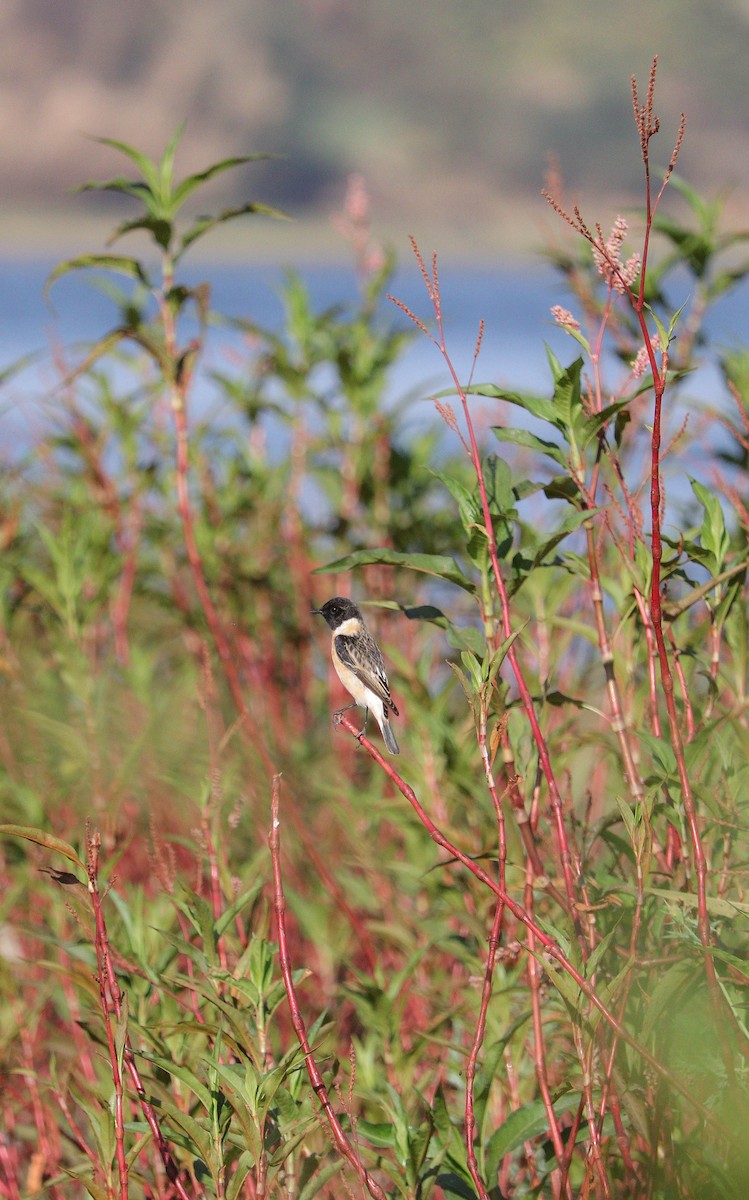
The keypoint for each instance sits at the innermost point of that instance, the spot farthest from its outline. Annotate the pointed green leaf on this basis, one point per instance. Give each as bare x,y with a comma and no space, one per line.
491,667
318,1177
439,565
537,406
120,1031
42,838
166,168
567,396
662,334
188,185
523,437
598,420
145,165
203,225
127,187
713,535
522,1125
98,262
465,683
572,522
161,229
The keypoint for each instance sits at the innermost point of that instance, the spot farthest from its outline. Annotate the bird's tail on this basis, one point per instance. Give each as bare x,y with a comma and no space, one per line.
388,735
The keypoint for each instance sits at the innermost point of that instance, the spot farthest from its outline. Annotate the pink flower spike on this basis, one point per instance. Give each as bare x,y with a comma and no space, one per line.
564,317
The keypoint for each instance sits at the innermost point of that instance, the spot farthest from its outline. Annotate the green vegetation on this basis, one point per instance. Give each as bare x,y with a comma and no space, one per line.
242,955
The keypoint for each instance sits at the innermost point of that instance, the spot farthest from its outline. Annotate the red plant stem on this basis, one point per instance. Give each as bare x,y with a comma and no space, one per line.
333,888
193,553
478,1038
432,284
594,1147
10,1187
105,991
648,126
113,987
539,1050
179,384
486,991
342,1143
523,821
522,915
129,536
618,722
685,698
652,661
79,1137
525,695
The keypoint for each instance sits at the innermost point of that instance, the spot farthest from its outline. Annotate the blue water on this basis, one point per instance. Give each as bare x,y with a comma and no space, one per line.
513,302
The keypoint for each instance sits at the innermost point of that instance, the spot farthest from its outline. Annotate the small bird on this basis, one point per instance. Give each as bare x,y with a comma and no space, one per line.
359,665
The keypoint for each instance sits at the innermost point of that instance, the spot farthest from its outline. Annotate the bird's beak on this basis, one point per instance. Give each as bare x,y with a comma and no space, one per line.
315,611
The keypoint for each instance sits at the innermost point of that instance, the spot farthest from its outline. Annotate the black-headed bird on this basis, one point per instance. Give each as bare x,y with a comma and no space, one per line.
359,665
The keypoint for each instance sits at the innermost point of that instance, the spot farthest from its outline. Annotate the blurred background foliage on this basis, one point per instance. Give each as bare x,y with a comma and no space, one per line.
430,105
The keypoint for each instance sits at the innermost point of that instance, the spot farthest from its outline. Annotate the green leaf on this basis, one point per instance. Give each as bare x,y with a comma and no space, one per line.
499,490
244,1165
438,565
380,1134
713,534
229,914
120,1031
662,752
183,1073
98,262
318,1178
42,838
469,508
491,667
537,406
188,185
567,398
126,187
157,225
451,1184
522,1125
166,169
572,522
144,164
523,437
203,225
598,420
472,667
465,683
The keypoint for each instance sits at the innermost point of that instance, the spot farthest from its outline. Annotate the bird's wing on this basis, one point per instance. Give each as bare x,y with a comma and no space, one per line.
362,656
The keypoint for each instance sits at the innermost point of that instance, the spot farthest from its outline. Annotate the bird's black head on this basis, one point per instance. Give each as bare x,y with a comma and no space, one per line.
338,610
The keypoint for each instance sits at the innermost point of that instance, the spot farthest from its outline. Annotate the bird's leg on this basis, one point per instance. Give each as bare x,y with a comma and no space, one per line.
338,715
363,729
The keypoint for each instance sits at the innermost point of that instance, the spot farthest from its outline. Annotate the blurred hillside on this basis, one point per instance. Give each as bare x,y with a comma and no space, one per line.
449,110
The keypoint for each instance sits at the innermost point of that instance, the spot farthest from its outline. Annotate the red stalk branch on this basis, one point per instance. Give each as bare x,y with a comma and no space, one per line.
432,284
549,945
342,1143
110,988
